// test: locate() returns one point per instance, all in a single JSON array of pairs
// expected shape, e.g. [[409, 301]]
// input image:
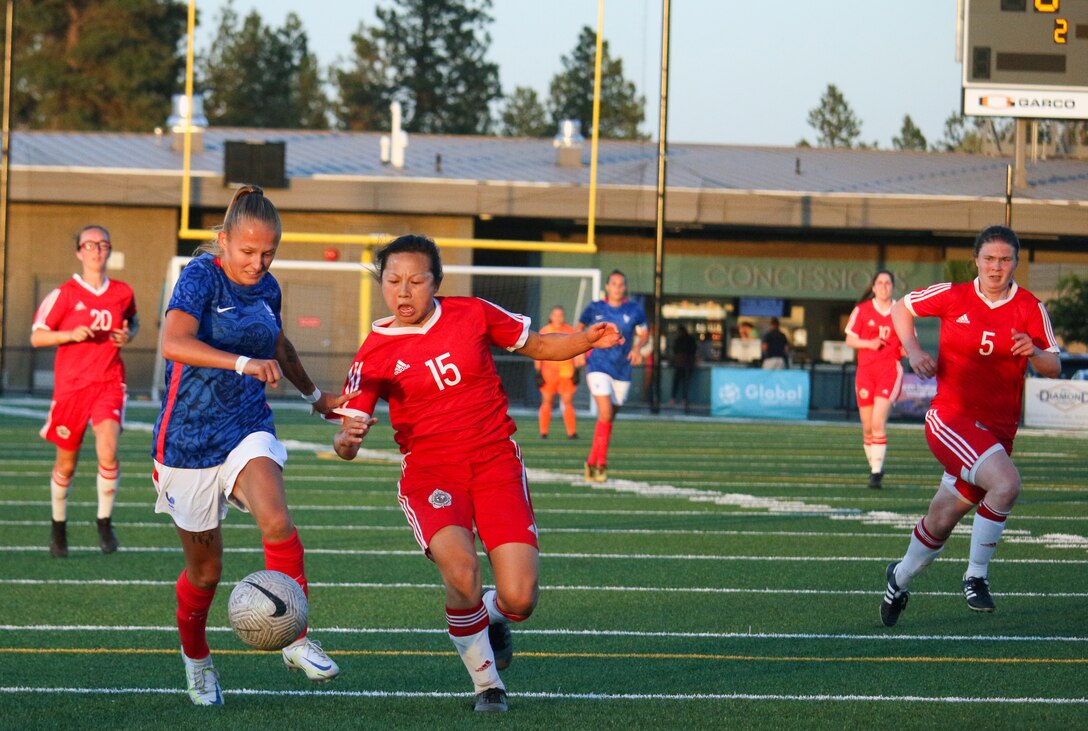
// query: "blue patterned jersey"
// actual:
[[206, 412], [628, 317]]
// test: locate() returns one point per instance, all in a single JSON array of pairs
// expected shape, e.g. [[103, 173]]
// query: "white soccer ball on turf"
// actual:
[[268, 610]]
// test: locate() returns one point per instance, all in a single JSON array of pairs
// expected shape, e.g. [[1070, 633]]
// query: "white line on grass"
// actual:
[[583, 587], [883, 636], [815, 698]]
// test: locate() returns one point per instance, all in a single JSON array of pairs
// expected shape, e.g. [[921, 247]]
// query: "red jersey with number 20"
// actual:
[[75, 303], [445, 397], [977, 376]]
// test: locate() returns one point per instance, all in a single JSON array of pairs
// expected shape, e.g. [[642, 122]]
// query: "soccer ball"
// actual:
[[267, 610]]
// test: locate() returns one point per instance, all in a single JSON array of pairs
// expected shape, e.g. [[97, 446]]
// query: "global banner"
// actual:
[[1056, 403], [759, 394]]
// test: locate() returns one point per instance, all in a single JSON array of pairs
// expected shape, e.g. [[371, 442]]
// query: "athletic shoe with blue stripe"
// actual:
[[203, 681], [306, 655]]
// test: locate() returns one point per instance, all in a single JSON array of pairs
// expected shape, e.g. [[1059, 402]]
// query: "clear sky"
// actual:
[[741, 71]]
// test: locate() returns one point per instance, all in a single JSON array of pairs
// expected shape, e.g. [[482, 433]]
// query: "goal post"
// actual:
[[328, 307]]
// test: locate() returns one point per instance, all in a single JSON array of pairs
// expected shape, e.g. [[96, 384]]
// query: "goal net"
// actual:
[[328, 308]]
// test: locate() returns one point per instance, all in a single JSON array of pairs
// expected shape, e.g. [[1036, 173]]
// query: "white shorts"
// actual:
[[602, 384], [197, 498]]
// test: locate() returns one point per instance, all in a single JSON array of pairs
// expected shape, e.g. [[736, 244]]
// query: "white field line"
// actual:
[[587, 588], [567, 555], [816, 698], [882, 637]]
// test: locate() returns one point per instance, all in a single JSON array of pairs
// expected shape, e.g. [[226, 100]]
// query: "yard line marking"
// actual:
[[579, 655], [816, 698], [632, 589], [558, 555]]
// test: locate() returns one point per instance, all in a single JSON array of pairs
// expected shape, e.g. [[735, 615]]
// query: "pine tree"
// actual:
[[364, 90], [96, 64], [524, 115], [834, 121], [622, 108], [910, 137], [257, 76], [1068, 307], [435, 52]]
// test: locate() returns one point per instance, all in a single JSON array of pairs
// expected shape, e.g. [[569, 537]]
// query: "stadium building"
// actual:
[[751, 231]]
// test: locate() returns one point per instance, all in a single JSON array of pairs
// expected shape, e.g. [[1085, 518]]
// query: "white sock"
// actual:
[[58, 490], [491, 598], [107, 488], [985, 534], [876, 453], [921, 552], [479, 659], [868, 451]]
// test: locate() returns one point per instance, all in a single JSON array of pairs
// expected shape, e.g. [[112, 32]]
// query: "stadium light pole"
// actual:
[[5, 180], [659, 238]]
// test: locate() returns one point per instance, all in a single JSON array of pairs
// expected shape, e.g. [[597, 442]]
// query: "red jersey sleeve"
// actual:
[[505, 329]]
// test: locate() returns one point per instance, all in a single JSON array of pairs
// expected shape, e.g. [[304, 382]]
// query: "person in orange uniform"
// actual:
[[557, 376]]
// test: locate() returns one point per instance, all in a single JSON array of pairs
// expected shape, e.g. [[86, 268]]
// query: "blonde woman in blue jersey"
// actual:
[[608, 370], [214, 442]]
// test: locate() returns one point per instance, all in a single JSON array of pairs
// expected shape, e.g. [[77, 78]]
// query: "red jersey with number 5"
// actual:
[[104, 310], [977, 375], [444, 393]]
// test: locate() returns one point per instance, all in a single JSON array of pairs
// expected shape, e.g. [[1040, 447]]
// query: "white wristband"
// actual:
[[313, 397], [240, 365]]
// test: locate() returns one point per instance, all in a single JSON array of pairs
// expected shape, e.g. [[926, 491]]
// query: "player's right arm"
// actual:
[[921, 362], [41, 338], [350, 436], [181, 345]]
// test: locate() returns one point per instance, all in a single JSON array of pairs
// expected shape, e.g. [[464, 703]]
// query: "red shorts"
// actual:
[[71, 410], [882, 379], [564, 386], [961, 444], [489, 490]]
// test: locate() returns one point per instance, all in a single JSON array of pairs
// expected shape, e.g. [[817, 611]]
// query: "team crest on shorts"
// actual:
[[63, 432], [864, 393], [440, 499]]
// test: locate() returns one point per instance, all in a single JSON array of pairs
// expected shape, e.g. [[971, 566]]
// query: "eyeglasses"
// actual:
[[93, 245]]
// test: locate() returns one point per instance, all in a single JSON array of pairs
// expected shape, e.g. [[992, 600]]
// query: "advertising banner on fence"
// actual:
[[760, 394], [914, 396], [1050, 402]]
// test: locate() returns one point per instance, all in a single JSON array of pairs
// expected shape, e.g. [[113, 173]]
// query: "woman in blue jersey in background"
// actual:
[[214, 441], [608, 370]]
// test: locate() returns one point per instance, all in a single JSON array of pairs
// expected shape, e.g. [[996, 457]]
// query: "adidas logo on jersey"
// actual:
[[79, 306], [962, 320], [401, 367]]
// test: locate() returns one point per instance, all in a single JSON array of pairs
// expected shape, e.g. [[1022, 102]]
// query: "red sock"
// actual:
[[286, 557], [598, 452], [192, 614]]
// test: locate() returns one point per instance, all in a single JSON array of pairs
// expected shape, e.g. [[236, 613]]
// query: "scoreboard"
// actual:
[[1026, 58]]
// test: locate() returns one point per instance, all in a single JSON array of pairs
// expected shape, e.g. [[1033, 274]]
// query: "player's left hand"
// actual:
[[329, 401], [1022, 345], [603, 335], [121, 336]]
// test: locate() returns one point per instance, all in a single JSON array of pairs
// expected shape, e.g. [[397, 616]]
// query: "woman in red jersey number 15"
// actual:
[[990, 329], [431, 361]]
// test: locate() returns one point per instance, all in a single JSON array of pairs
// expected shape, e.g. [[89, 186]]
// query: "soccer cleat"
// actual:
[[591, 472], [976, 589], [502, 644], [895, 599], [58, 541], [543, 435], [572, 436], [306, 655], [602, 473], [203, 681], [875, 479], [106, 538], [491, 700]]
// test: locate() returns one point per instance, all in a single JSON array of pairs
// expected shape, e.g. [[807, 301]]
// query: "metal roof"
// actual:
[[435, 158]]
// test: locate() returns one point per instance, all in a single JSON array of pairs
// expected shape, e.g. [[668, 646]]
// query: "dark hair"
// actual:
[[91, 227], [1003, 234], [614, 272], [248, 204], [868, 294], [410, 244]]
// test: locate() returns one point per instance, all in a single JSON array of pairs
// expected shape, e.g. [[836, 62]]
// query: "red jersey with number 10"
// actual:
[[977, 375], [76, 303], [445, 397], [869, 323]]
